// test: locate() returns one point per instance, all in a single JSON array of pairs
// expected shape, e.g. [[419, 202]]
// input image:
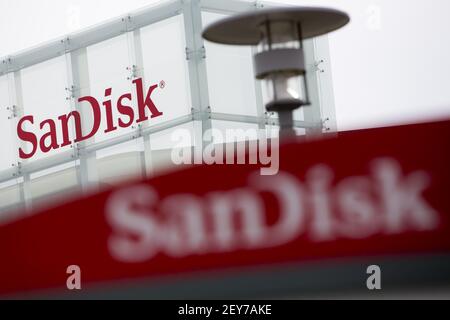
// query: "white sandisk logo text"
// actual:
[[386, 202]]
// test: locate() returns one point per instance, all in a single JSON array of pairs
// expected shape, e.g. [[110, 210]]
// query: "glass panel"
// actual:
[[44, 97], [10, 198], [120, 162], [35, 22], [163, 47], [7, 146], [108, 62], [177, 139], [57, 197], [170, 138], [249, 130], [230, 75], [51, 186]]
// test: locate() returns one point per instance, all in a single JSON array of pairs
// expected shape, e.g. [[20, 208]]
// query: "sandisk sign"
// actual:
[[385, 202], [49, 127], [367, 193]]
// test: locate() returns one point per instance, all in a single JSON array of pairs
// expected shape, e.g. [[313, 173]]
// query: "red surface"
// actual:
[[36, 251]]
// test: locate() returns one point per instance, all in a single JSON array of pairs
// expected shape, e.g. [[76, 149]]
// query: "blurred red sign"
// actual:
[[367, 193]]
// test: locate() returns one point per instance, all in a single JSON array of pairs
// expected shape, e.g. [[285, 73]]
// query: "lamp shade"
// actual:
[[245, 29]]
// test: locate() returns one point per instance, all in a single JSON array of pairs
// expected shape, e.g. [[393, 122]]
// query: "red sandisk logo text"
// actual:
[[49, 139]]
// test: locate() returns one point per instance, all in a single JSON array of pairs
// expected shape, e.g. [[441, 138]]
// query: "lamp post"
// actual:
[[279, 61]]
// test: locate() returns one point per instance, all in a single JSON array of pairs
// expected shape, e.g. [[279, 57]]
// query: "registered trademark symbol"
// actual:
[[162, 84]]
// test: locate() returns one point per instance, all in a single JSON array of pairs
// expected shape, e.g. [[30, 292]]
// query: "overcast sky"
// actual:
[[390, 65]]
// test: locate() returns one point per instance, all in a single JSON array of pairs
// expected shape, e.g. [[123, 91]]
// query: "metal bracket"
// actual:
[[128, 22], [71, 92], [317, 66], [18, 167], [195, 54], [7, 63], [325, 126], [268, 118], [13, 111], [138, 131], [77, 151], [258, 5], [198, 115], [66, 43], [133, 70]]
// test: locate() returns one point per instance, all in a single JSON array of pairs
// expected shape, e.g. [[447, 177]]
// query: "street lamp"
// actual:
[[279, 61]]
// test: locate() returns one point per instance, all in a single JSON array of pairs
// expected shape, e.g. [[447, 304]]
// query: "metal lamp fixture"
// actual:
[[279, 62]]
